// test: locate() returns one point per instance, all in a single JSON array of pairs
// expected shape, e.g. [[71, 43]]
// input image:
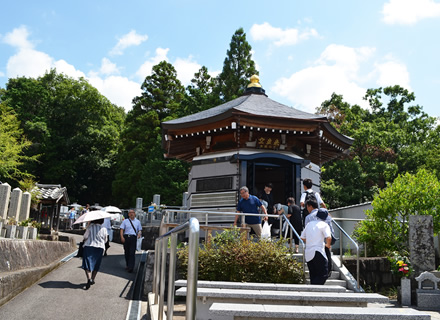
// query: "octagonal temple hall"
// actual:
[[250, 141]]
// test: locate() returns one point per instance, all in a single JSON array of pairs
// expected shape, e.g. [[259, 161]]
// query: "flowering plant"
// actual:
[[400, 265]]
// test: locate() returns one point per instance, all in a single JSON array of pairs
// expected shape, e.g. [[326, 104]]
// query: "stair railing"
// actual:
[[161, 246], [341, 252]]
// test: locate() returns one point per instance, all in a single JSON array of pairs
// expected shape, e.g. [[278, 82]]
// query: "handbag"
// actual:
[[80, 250]]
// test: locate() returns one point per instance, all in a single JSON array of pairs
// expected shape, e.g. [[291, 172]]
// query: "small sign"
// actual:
[[150, 209]]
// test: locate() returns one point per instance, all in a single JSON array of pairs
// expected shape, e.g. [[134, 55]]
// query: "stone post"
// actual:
[[15, 204], [22, 232], [5, 192], [32, 233], [421, 243], [25, 207], [10, 231]]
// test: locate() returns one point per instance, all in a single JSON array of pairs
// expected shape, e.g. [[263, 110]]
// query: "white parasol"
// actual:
[[92, 215], [111, 209]]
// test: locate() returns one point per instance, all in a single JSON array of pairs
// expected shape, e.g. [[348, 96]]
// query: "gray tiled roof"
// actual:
[[255, 104], [52, 192]]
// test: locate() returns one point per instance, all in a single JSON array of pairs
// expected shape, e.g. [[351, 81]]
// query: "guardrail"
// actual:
[[161, 246], [341, 252], [178, 216], [173, 216]]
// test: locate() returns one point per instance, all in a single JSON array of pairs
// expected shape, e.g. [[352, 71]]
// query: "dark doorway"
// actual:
[[279, 173]]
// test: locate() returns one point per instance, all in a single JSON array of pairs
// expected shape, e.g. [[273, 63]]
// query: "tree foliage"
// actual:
[[390, 139], [386, 227], [73, 127], [142, 170], [238, 67], [12, 147]]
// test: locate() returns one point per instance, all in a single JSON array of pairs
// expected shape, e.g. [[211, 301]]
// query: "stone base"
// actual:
[[428, 299]]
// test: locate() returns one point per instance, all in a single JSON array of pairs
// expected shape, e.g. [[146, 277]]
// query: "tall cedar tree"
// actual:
[[142, 170], [238, 67], [391, 139], [200, 93], [73, 128]]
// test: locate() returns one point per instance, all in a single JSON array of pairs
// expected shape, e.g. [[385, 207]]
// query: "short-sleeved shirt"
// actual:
[[315, 233], [317, 196], [96, 236], [250, 205], [128, 229], [72, 214]]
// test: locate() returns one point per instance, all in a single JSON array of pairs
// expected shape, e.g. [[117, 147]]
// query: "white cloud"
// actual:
[[185, 69], [392, 73], [28, 63], [108, 67], [280, 37], [146, 68], [336, 70], [18, 38], [119, 90], [130, 39], [409, 11], [2, 74]]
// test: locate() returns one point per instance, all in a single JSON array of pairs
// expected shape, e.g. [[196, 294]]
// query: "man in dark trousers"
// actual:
[[131, 230], [314, 235]]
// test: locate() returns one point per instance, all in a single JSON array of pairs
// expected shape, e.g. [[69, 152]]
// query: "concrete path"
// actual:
[[60, 294]]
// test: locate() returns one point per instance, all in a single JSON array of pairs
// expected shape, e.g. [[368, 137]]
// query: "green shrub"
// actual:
[[231, 257]]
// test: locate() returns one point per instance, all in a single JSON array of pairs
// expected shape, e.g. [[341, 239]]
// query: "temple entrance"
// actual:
[[280, 173]]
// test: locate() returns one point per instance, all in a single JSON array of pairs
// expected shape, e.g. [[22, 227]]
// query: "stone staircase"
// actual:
[[338, 299]]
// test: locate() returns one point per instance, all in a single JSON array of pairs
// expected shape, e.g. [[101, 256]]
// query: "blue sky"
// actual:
[[304, 50]]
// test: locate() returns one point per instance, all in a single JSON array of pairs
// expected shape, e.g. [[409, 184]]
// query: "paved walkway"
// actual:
[[60, 294]]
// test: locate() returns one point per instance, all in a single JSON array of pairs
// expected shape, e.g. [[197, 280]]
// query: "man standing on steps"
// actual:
[[309, 194], [250, 204], [314, 235], [131, 230]]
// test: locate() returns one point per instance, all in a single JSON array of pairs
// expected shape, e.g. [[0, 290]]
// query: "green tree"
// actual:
[[389, 140], [74, 128], [200, 93], [142, 170], [386, 227], [12, 147], [238, 67]]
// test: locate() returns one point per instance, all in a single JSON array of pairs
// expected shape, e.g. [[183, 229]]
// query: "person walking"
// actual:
[[250, 204], [130, 231], [108, 225], [72, 217], [314, 235], [295, 217], [93, 248]]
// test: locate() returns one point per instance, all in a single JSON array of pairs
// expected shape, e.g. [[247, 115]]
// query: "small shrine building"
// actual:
[[250, 141]]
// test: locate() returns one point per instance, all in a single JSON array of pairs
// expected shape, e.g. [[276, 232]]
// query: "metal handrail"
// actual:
[[283, 217], [160, 264], [342, 232]]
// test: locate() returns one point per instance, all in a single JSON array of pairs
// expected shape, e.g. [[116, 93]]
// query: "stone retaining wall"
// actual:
[[374, 273], [23, 262]]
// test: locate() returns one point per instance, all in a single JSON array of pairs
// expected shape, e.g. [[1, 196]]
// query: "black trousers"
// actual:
[[318, 269], [130, 251]]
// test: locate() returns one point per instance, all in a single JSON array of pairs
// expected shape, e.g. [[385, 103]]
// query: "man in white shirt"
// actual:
[[314, 235], [130, 230]]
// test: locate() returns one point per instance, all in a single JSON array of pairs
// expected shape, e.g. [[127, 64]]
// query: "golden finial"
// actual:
[[255, 82]]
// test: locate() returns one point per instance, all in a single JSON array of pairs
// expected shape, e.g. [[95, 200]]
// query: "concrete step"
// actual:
[[265, 286], [207, 296], [230, 311]]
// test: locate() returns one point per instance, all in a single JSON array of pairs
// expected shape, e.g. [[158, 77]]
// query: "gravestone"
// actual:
[[5, 192], [25, 206], [421, 243], [15, 204]]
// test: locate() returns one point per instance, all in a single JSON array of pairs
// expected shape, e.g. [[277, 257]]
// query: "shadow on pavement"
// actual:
[[61, 285]]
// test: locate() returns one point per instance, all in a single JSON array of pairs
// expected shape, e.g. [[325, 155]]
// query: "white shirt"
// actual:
[[317, 195], [96, 236], [315, 233]]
